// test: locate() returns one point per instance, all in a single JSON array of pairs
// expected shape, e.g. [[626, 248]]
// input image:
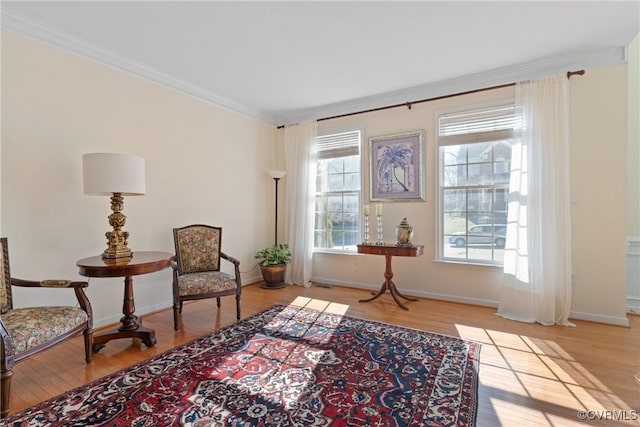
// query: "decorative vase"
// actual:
[[273, 276], [404, 233]]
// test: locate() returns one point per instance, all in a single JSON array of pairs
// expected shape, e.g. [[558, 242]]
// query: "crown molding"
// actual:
[[572, 62], [606, 56], [38, 31]]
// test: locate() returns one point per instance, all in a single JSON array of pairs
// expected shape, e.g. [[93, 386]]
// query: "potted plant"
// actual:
[[273, 262]]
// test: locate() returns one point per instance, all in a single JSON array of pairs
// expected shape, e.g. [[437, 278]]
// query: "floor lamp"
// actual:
[[276, 175]]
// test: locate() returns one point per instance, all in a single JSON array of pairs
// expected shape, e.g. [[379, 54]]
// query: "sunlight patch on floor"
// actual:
[[530, 363], [505, 376], [474, 334], [508, 340], [561, 373], [321, 305], [540, 371], [511, 414], [261, 356]]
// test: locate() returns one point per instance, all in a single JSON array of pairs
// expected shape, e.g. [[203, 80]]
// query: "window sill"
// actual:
[[481, 265], [335, 252]]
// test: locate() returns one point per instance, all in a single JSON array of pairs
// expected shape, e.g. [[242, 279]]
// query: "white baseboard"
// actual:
[[610, 320], [633, 304], [633, 274], [463, 300], [253, 279], [431, 295]]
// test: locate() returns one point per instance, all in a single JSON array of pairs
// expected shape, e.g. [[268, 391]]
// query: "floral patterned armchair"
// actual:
[[30, 330], [196, 268]]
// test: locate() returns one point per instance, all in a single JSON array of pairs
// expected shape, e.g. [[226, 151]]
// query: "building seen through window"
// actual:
[[338, 187]]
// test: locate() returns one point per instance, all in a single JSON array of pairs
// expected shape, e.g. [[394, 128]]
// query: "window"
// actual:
[[474, 171], [337, 203]]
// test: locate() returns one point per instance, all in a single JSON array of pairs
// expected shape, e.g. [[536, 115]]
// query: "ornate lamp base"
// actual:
[[117, 239], [116, 251]]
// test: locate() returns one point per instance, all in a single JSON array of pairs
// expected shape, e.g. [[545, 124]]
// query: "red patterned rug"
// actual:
[[285, 366]]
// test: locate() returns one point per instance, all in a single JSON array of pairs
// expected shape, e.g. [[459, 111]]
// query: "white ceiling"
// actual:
[[287, 61]]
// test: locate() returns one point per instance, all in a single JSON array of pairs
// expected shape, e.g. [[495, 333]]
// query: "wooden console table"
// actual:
[[140, 263], [389, 251]]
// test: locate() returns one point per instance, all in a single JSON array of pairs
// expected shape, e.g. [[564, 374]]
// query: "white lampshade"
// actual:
[[277, 174], [107, 173]]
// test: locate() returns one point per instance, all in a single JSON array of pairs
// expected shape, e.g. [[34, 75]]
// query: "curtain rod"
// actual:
[[408, 104]]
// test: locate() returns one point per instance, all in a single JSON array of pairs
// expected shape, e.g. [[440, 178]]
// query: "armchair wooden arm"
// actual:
[[229, 258], [55, 283], [236, 264], [77, 286]]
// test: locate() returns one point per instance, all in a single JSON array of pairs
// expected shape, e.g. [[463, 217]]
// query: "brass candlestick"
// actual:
[[379, 240], [366, 230]]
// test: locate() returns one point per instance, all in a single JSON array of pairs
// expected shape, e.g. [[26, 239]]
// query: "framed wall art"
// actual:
[[396, 167]]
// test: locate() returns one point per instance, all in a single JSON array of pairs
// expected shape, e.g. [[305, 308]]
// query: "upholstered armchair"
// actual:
[[30, 330], [196, 268]]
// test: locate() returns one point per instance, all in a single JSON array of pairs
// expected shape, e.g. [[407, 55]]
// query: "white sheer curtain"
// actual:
[[538, 247], [300, 164]]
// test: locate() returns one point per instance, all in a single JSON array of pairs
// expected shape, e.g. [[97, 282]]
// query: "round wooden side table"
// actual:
[[139, 263]]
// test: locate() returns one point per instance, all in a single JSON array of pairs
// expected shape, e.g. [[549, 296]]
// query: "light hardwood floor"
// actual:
[[530, 375]]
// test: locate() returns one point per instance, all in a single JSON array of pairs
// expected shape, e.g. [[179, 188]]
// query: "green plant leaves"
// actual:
[[274, 254]]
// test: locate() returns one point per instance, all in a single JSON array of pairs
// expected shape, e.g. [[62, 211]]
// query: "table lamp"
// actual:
[[115, 175]]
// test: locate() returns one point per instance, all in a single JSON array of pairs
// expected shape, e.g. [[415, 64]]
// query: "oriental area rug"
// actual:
[[285, 366]]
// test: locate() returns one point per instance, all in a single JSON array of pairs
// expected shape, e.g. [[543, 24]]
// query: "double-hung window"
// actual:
[[474, 171], [338, 184]]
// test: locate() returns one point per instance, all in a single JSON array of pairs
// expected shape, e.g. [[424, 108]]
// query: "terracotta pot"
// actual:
[[273, 275]]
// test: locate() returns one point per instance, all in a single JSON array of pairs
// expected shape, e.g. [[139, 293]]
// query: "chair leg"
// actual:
[[88, 344], [218, 300], [176, 309], [238, 307], [6, 389]]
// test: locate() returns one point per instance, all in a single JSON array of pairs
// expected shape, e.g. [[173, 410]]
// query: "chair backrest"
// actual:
[[197, 248], [5, 279]]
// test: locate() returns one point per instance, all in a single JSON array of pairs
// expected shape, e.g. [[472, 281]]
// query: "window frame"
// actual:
[[359, 190], [467, 139]]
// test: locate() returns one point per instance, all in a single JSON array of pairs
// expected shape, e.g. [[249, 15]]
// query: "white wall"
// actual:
[[633, 172], [204, 165], [598, 186], [598, 177], [633, 179]]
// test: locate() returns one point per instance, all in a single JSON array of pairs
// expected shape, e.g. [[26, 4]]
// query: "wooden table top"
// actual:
[[392, 250], [140, 263]]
